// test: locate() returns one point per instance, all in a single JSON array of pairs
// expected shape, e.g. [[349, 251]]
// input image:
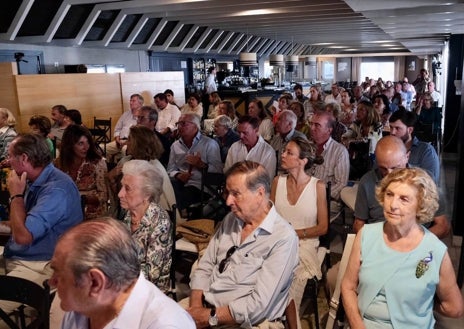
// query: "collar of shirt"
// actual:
[[195, 141]]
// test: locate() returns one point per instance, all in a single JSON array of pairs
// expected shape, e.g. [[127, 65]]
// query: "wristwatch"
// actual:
[[213, 319]]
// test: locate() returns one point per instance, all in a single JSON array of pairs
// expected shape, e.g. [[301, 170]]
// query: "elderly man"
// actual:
[[168, 115], [336, 166], [390, 153], [251, 146], [108, 292], [436, 96], [190, 154], [421, 154], [149, 117], [335, 96], [244, 277], [59, 123], [121, 130], [285, 131]]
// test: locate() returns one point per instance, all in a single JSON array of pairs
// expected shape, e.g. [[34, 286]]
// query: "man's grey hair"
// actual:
[[104, 244], [152, 180], [256, 175], [223, 120], [195, 118], [289, 116]]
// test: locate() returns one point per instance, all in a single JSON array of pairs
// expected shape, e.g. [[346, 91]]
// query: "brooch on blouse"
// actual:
[[423, 265]]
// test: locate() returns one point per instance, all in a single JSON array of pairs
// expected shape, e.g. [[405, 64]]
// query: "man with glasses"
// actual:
[[190, 155], [244, 276]]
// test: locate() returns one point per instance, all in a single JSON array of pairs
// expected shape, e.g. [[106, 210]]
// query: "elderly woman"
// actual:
[[224, 135], [266, 127], [193, 105], [7, 131], [149, 224], [80, 159], [142, 144], [301, 199], [396, 267]]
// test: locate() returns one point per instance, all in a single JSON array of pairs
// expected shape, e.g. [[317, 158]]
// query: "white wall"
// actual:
[[133, 60]]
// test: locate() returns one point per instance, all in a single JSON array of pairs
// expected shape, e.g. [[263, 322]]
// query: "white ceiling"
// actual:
[[301, 27]]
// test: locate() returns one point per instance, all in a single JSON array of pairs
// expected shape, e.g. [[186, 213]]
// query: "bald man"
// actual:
[[390, 154]]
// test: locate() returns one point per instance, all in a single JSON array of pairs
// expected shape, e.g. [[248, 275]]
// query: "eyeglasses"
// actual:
[[182, 123], [223, 264]]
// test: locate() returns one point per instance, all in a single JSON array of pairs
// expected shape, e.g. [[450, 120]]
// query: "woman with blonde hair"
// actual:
[[397, 268], [214, 101], [7, 131]]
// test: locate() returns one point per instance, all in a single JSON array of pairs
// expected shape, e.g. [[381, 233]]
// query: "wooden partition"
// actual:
[[102, 95]]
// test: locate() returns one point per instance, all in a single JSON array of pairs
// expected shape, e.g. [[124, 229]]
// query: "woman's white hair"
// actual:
[[152, 180]]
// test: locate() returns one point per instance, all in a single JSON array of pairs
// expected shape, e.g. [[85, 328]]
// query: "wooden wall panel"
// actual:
[[148, 84], [92, 94], [8, 97]]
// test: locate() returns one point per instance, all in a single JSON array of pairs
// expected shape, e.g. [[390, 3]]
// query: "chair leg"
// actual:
[[316, 307]]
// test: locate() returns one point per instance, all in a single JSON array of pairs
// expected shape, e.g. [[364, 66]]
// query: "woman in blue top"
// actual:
[[396, 267]]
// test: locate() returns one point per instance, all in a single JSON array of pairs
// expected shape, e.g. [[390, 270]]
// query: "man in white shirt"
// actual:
[[210, 83], [121, 130], [251, 146], [436, 96], [168, 115], [110, 291], [335, 96]]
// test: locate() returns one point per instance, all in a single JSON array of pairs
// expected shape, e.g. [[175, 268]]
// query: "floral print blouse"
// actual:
[[154, 238]]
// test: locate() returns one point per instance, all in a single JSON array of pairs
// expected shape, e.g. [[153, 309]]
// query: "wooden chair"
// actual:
[[101, 133], [27, 293]]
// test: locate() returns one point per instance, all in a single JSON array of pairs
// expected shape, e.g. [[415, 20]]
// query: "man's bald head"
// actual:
[[390, 153]]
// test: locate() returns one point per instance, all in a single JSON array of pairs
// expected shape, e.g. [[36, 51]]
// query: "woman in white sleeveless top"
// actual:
[[301, 199]]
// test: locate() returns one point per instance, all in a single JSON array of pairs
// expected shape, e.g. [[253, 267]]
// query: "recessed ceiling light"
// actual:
[[257, 12]]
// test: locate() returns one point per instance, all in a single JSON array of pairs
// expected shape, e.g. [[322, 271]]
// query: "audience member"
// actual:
[[80, 159], [168, 115], [315, 95], [142, 144], [436, 96], [266, 127], [301, 123], [335, 96], [358, 94], [97, 275], [244, 277], [285, 131], [149, 117], [193, 105], [190, 154], [421, 154], [421, 82], [299, 95], [214, 101], [44, 203], [224, 134], [407, 95], [282, 104], [398, 272], [301, 199], [73, 117], [429, 114], [7, 131], [382, 107], [348, 109], [148, 222], [336, 166], [170, 97], [59, 123], [390, 154], [41, 125], [226, 107], [368, 126], [339, 128], [251, 146], [117, 148]]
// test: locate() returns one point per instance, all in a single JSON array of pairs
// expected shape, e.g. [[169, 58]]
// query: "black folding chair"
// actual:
[[101, 133]]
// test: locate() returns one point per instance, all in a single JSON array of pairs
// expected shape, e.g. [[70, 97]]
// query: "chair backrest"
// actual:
[[360, 161], [26, 292], [102, 130]]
